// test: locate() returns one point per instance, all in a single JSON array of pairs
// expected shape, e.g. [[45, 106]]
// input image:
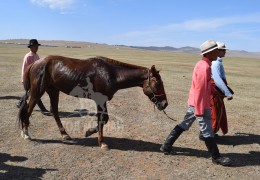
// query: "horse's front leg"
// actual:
[[91, 131], [54, 99], [102, 120]]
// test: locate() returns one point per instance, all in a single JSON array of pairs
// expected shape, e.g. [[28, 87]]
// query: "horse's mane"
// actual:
[[118, 63]]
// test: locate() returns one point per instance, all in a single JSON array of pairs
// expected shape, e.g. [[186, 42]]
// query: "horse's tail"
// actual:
[[23, 111], [22, 117], [26, 78]]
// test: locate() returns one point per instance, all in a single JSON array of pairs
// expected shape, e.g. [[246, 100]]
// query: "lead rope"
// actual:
[[169, 116], [189, 117]]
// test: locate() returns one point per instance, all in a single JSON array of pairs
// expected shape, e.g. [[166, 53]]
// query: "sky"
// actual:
[[135, 22]]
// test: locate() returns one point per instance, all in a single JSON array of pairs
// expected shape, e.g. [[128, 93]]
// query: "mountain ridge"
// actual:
[[82, 44], [193, 50]]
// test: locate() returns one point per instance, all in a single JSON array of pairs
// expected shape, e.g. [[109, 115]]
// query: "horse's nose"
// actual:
[[165, 105], [162, 105]]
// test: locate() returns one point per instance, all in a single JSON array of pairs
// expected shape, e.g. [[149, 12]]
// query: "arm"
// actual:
[[200, 90], [217, 72], [25, 64], [27, 60]]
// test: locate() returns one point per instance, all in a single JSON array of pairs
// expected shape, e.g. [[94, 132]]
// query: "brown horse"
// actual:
[[97, 78]]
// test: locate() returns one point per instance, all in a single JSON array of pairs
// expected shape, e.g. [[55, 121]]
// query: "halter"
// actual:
[[156, 95], [153, 93]]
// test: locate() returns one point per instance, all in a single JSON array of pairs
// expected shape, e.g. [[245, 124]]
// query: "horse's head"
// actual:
[[154, 89]]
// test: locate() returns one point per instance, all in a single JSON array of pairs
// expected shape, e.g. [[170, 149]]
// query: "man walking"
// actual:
[[199, 105], [28, 59], [218, 110]]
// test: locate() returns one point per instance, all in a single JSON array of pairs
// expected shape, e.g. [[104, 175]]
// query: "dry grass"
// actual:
[[134, 153]]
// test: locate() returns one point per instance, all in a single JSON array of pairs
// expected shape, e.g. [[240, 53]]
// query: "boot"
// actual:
[[216, 136], [173, 136], [213, 150], [201, 137], [44, 111]]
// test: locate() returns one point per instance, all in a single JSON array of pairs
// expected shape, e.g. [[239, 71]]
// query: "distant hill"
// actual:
[[193, 50], [82, 44]]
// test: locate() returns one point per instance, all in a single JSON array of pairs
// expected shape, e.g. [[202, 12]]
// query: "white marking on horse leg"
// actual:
[[104, 146], [25, 134]]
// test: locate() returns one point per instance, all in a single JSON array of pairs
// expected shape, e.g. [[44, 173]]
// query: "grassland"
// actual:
[[138, 156]]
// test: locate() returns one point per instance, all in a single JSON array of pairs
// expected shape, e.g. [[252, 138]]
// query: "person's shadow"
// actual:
[[239, 139], [10, 97], [252, 158], [18, 172]]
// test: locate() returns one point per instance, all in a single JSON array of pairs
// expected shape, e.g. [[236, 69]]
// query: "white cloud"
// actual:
[[197, 25], [212, 24], [231, 29], [54, 4]]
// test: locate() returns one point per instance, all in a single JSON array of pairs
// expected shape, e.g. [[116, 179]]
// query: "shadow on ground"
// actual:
[[252, 158], [19, 172], [75, 113], [10, 97], [239, 139]]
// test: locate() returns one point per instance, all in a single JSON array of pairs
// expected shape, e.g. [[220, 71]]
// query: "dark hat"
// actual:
[[33, 42]]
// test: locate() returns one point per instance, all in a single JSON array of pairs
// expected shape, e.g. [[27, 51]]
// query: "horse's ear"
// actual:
[[153, 70]]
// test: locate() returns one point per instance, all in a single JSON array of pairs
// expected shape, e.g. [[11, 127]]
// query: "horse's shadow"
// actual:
[[123, 144], [75, 113], [18, 172], [239, 159]]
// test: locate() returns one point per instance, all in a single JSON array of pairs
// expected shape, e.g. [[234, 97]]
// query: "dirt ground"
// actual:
[[134, 134]]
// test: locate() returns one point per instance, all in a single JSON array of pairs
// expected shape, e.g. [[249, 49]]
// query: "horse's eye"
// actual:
[[156, 84]]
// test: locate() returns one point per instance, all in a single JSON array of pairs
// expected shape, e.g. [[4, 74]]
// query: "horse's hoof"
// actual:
[[66, 137], [104, 147], [25, 136], [88, 133]]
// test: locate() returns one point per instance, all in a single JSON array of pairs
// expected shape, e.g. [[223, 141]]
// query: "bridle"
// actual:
[[148, 86], [155, 95]]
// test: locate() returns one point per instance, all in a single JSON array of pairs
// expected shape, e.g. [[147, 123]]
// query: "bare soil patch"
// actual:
[[134, 134]]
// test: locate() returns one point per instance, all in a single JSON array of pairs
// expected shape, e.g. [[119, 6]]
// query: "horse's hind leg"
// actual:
[[54, 99], [102, 120], [26, 122], [35, 95]]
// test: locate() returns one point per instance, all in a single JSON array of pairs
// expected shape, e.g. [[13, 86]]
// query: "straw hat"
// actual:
[[208, 46], [221, 45]]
